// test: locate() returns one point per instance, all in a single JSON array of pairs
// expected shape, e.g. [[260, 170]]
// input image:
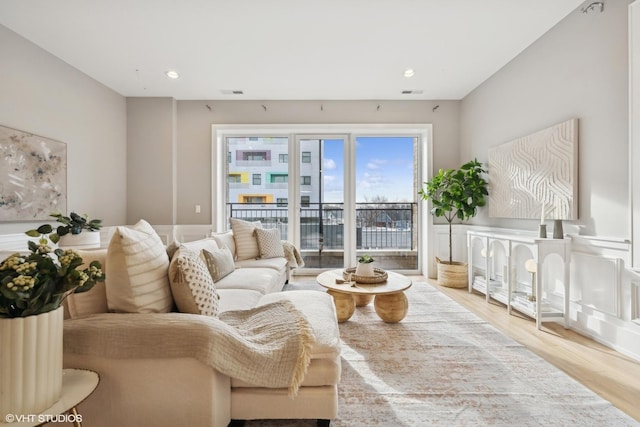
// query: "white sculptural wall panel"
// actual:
[[536, 175]]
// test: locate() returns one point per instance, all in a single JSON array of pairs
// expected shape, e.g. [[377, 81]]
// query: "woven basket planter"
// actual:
[[452, 275]]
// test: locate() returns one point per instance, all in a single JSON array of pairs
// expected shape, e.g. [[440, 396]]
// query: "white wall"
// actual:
[[578, 69], [43, 95]]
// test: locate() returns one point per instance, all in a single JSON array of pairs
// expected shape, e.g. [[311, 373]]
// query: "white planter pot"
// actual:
[[30, 363], [84, 240], [365, 269]]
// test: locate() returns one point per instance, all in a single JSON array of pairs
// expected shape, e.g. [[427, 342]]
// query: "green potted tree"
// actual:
[[68, 234], [455, 193]]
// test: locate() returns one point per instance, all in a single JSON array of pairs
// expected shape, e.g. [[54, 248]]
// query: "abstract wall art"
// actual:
[[33, 176], [536, 176]]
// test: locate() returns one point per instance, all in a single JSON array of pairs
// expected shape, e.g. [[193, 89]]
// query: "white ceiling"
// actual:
[[286, 49]]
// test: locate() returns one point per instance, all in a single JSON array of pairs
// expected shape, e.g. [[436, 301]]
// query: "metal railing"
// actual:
[[378, 225]]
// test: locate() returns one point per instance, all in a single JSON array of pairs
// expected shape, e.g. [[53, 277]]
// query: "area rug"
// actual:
[[444, 366]]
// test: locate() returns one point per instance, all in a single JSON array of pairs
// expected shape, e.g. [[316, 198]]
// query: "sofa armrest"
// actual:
[[144, 381], [141, 335]]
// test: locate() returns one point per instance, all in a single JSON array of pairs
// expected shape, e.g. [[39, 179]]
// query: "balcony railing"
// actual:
[[378, 225]]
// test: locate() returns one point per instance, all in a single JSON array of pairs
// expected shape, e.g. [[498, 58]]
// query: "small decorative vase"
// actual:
[[365, 269], [542, 233], [84, 240], [30, 363], [558, 233]]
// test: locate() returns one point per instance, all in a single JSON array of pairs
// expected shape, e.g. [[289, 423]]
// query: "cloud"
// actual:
[[370, 180], [375, 163], [329, 164]]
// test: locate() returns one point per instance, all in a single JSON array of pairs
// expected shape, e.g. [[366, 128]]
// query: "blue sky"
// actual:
[[384, 167]]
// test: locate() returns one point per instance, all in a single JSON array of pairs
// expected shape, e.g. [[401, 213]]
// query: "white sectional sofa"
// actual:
[[148, 377]]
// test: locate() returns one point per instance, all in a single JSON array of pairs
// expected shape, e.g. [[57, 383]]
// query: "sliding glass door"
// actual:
[[336, 196], [321, 202], [386, 207]]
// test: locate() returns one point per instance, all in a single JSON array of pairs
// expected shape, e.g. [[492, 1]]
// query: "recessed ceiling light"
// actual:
[[409, 72], [172, 74]]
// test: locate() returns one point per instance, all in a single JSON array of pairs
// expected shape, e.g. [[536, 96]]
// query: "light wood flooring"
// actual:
[[610, 374]]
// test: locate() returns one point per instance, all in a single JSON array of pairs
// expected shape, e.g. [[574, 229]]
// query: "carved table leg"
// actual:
[[392, 308], [345, 305], [362, 300]]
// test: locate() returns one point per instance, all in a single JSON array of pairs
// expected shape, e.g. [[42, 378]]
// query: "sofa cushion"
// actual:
[[136, 271], [196, 246], [278, 264], [263, 280], [320, 372], [238, 299], [219, 262], [226, 239], [244, 236], [269, 243], [191, 284], [318, 308], [320, 312]]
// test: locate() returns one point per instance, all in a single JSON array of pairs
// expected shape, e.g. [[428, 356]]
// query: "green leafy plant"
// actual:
[[73, 224], [456, 193], [38, 282], [365, 259]]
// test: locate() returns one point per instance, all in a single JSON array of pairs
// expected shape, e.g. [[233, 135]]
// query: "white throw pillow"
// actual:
[[244, 236], [219, 262], [269, 243], [137, 265], [191, 284], [225, 239]]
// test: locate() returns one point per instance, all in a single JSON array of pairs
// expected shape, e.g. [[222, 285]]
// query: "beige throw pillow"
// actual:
[[94, 301], [136, 270], [225, 239], [269, 243], [244, 236], [219, 262], [191, 284]]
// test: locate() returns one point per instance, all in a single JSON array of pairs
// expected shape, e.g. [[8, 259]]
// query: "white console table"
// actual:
[[514, 269]]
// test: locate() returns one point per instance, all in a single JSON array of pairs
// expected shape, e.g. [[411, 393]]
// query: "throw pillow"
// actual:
[[94, 301], [191, 284], [269, 243], [136, 270], [225, 239], [244, 236], [220, 263]]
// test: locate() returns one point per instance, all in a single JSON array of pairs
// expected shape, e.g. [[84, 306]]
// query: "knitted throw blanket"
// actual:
[[267, 346], [292, 254]]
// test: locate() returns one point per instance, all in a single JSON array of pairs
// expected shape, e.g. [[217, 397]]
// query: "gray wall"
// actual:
[[151, 175], [43, 95], [194, 134], [578, 69]]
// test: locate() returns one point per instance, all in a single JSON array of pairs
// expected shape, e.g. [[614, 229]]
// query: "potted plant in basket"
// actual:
[[455, 193], [68, 234], [33, 286]]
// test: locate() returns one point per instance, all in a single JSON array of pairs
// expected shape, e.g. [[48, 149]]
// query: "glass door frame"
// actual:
[[349, 205], [426, 235]]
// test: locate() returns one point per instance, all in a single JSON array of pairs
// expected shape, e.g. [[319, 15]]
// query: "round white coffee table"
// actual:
[[391, 303]]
